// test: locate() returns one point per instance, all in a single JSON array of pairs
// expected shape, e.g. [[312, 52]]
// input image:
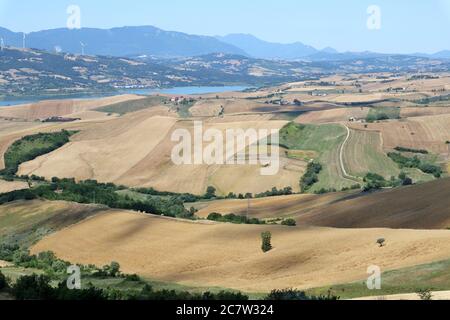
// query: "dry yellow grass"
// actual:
[[105, 159], [430, 133], [46, 109], [8, 186], [229, 255], [333, 115], [212, 107], [248, 178], [135, 150], [423, 111], [4, 264]]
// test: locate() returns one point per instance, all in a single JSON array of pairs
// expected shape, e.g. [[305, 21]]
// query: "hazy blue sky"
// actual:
[[406, 25]]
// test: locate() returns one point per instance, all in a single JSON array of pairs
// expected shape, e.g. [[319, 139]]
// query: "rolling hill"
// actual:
[[422, 206], [227, 255]]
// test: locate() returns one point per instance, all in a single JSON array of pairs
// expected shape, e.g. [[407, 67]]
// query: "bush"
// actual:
[[4, 282], [403, 149], [232, 218], [210, 193], [415, 162], [291, 294], [33, 287], [374, 182], [381, 242], [266, 238], [275, 192], [311, 176], [425, 294], [132, 278], [289, 223], [114, 269]]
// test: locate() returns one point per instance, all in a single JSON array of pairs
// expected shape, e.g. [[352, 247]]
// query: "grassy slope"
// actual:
[[25, 223], [434, 276], [325, 140], [363, 154]]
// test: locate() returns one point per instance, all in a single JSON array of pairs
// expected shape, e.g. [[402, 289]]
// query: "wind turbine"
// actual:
[[82, 48]]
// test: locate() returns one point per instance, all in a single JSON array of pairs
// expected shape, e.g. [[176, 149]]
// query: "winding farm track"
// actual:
[[341, 158]]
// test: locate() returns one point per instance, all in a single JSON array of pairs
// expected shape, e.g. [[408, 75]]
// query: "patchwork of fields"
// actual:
[[347, 124]]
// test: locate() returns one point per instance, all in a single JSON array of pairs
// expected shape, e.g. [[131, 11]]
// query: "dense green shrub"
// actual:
[[289, 223], [374, 182], [233, 218], [33, 287], [3, 282], [415, 162], [90, 191], [291, 294], [402, 149], [266, 238], [275, 192], [311, 176]]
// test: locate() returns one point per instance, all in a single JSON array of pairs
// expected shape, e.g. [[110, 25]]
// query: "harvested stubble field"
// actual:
[[135, 150], [429, 133], [230, 256]]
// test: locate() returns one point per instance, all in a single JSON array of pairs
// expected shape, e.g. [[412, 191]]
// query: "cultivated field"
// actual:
[[126, 140], [135, 150], [230, 256], [6, 186], [63, 108], [24, 223], [363, 153], [333, 115], [429, 133]]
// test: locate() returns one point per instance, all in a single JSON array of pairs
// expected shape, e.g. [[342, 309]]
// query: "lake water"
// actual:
[[174, 91]]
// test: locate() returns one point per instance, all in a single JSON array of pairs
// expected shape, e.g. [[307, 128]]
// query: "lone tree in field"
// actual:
[[266, 241], [210, 192], [381, 242]]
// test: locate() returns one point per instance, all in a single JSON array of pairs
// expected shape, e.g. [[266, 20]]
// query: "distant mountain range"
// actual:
[[32, 72], [150, 41], [267, 50], [126, 41]]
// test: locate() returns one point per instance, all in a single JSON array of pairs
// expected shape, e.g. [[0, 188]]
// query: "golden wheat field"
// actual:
[[196, 253]]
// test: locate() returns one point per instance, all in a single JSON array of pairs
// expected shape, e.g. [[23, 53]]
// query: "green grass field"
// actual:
[[325, 140], [434, 276], [363, 154]]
